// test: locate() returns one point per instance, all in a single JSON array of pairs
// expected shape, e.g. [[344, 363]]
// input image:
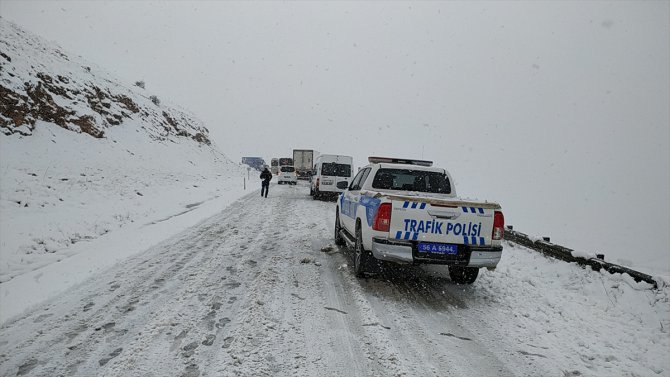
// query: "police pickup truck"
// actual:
[[406, 211]]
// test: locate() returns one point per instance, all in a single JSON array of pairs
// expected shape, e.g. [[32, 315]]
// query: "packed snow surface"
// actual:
[[260, 289], [66, 197]]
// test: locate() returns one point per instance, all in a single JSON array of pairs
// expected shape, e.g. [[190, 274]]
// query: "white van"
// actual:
[[329, 169], [287, 175]]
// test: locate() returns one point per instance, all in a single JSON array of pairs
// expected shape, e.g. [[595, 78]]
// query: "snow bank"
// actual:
[[71, 205], [573, 319]]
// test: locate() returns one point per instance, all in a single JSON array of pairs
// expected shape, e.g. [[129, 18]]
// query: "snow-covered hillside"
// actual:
[[83, 156], [41, 82]]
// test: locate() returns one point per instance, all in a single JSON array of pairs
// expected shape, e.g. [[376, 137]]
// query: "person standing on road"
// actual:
[[266, 176]]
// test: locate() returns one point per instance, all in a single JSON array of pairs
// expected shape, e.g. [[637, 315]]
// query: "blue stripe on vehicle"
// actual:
[[414, 205], [423, 205], [481, 210], [406, 235], [465, 240], [474, 240], [465, 209], [473, 210], [414, 237], [398, 235], [406, 204], [481, 241], [371, 206]]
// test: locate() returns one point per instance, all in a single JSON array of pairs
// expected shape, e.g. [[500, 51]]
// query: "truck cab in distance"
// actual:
[[330, 170], [274, 166], [407, 211]]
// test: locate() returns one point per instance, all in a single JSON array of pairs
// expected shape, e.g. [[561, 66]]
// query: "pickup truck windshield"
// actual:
[[412, 180], [334, 169]]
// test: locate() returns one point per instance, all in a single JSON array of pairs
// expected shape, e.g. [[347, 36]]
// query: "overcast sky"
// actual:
[[558, 110]]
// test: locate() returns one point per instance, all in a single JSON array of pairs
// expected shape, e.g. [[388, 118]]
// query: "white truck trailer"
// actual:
[[303, 162]]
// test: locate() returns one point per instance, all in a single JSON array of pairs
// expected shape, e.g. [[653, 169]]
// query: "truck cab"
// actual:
[[406, 211], [274, 166]]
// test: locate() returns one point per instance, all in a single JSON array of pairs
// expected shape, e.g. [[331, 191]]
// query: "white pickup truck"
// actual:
[[406, 211]]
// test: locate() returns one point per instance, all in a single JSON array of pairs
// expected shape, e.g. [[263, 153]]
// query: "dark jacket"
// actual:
[[266, 176]]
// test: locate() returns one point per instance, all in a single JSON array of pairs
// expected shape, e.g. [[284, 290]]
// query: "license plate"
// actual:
[[437, 248]]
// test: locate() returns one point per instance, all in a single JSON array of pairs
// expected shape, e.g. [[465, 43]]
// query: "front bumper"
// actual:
[[406, 252]]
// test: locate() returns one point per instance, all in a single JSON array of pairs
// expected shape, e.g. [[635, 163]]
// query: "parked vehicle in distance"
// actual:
[[303, 162], [274, 166], [329, 170], [287, 175], [407, 211], [285, 161], [257, 163]]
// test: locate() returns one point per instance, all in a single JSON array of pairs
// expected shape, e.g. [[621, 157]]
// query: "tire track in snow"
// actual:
[[138, 290], [249, 292]]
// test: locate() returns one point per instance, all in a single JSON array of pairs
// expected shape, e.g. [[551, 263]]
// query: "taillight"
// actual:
[[382, 220], [498, 226], [317, 182]]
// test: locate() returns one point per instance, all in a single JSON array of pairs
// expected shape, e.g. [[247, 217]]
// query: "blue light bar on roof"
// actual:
[[392, 160]]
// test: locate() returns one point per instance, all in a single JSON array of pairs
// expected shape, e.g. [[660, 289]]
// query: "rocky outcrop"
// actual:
[[39, 82]]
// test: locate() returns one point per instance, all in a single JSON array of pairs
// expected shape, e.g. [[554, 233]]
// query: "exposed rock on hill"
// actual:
[[38, 81]]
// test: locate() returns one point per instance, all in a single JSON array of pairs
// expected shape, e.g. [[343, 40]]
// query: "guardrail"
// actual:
[[565, 254]]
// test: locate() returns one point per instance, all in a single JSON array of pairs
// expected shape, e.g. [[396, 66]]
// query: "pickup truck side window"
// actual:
[[412, 180], [366, 172], [356, 182]]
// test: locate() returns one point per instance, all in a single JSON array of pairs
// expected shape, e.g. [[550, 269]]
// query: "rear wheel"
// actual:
[[339, 241], [361, 256], [463, 275]]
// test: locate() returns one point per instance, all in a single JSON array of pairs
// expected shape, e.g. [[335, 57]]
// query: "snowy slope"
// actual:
[[40, 82], [83, 156]]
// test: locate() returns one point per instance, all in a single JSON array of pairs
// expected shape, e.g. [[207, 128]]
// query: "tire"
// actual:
[[463, 275], [360, 255], [339, 241]]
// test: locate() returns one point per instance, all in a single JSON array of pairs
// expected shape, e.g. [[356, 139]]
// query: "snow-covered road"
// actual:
[[259, 290]]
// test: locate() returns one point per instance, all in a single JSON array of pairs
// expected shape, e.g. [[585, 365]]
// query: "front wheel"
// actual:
[[339, 241], [463, 275], [361, 256]]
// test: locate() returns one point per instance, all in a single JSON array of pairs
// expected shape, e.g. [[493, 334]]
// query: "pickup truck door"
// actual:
[[349, 202]]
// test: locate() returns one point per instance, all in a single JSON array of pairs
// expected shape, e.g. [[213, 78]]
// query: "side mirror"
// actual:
[[342, 185]]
